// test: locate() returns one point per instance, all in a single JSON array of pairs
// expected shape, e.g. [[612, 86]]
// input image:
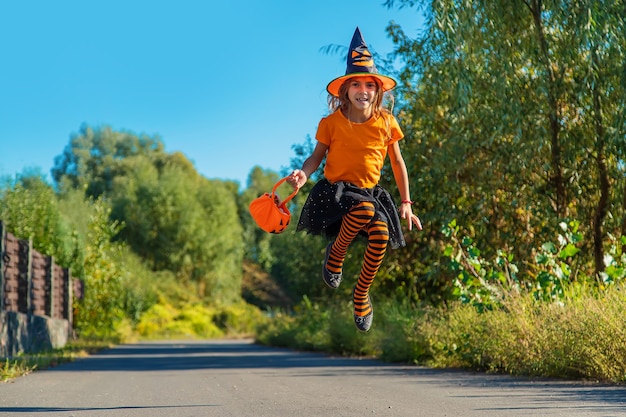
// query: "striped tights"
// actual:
[[358, 218]]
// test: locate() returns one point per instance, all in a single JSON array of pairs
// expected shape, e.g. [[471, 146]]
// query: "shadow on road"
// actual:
[[208, 355], [247, 355], [74, 409]]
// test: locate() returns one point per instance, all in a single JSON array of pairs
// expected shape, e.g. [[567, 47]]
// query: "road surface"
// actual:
[[236, 378]]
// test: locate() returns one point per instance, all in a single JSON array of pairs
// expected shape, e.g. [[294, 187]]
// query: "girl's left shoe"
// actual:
[[332, 280]]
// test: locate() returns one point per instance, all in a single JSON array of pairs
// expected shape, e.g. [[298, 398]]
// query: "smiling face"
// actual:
[[362, 93]]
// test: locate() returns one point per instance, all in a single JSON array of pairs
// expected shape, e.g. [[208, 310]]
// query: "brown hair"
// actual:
[[342, 102]]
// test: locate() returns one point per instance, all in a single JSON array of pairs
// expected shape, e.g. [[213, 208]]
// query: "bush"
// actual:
[[100, 314], [405, 338], [321, 327], [582, 338], [195, 320], [164, 321], [279, 331], [239, 319], [579, 337]]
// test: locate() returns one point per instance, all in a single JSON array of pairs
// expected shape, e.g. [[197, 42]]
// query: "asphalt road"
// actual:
[[231, 378]]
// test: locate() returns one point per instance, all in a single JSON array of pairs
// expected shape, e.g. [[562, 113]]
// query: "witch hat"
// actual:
[[360, 62]]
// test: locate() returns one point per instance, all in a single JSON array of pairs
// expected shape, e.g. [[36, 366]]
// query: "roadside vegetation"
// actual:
[[25, 363], [557, 328], [514, 126]]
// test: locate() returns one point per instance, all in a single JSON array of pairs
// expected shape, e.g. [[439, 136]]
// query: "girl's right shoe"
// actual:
[[331, 279], [363, 323]]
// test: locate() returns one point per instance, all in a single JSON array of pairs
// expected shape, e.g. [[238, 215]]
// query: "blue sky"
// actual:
[[229, 84]]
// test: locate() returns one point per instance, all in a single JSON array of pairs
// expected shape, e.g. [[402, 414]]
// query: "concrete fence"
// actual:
[[35, 298]]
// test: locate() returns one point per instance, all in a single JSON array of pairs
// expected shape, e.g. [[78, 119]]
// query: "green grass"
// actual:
[[581, 338], [24, 364]]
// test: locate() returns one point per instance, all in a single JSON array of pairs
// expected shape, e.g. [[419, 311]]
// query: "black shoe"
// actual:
[[363, 323], [332, 280]]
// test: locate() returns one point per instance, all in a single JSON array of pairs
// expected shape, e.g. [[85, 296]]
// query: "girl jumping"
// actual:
[[355, 139]]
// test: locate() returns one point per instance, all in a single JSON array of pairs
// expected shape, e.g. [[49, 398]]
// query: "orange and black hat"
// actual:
[[360, 63]]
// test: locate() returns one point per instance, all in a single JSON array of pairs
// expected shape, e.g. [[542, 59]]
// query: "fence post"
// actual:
[[2, 266], [51, 296], [69, 294], [29, 277]]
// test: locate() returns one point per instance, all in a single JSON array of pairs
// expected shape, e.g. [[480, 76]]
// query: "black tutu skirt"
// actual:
[[327, 203]]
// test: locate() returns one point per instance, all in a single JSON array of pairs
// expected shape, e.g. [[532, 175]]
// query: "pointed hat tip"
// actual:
[[360, 62]]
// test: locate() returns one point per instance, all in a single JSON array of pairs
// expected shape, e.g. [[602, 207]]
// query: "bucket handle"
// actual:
[[292, 195]]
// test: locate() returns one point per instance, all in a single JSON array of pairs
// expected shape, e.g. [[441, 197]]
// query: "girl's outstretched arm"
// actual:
[[299, 176], [402, 180]]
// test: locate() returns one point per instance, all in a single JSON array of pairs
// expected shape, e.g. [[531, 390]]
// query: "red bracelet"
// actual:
[[407, 201]]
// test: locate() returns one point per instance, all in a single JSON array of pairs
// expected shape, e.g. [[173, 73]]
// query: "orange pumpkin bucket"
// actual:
[[269, 213]]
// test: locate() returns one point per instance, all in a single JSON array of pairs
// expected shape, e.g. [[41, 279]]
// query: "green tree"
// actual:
[[600, 115], [220, 240], [503, 130], [99, 314], [92, 158], [30, 209], [175, 219]]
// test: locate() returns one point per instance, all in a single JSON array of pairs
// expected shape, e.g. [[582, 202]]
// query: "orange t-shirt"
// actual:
[[357, 151]]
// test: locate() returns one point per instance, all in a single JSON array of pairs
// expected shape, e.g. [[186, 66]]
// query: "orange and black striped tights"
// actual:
[[361, 217]]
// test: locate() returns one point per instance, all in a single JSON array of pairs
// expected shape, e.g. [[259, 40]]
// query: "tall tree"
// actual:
[[174, 219], [30, 209], [92, 157], [177, 220], [600, 81], [512, 114]]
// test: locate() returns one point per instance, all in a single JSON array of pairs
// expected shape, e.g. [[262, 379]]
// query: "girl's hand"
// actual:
[[407, 214], [297, 178]]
